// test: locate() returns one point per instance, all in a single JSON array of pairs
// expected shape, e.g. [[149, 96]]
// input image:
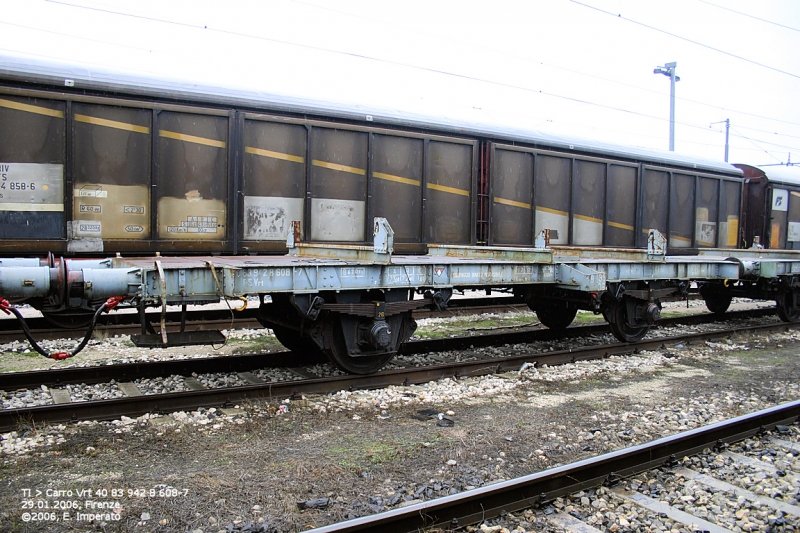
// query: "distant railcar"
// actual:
[[771, 208]]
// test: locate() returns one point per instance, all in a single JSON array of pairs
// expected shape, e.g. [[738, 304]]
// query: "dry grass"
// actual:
[[274, 461]]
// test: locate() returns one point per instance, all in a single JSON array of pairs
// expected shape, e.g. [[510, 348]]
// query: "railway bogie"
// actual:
[[783, 289], [717, 296], [359, 331]]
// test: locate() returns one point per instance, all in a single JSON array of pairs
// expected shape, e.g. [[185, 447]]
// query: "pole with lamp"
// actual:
[[669, 70], [727, 122]]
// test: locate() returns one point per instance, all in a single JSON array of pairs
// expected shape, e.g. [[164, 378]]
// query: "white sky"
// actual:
[[582, 68]]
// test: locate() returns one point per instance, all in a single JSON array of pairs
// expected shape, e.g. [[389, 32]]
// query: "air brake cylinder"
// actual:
[[107, 282], [19, 280]]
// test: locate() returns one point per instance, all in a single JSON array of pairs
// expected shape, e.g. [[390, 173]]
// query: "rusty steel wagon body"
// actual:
[[343, 220]]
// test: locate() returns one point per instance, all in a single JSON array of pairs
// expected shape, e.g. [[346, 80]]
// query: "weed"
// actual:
[[457, 325], [100, 335], [357, 453], [264, 343]]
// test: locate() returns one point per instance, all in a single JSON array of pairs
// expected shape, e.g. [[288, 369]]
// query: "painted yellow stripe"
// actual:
[[112, 124], [589, 219], [620, 225], [552, 211], [274, 155], [10, 104], [396, 179], [512, 203], [451, 190], [795, 193], [678, 238], [340, 168], [191, 139], [24, 206]]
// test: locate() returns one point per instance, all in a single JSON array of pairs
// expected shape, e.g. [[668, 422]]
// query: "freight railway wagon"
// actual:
[[355, 303], [772, 206], [213, 177], [91, 167]]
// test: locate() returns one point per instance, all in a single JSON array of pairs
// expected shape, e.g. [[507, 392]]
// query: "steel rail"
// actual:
[[159, 403], [203, 319], [242, 363], [484, 503]]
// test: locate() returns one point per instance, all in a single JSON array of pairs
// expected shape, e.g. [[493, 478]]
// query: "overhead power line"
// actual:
[[504, 52], [749, 16], [81, 37], [762, 141], [364, 56], [698, 43], [399, 63], [756, 145]]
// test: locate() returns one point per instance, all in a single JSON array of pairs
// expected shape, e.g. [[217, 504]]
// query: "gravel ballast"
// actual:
[[355, 453]]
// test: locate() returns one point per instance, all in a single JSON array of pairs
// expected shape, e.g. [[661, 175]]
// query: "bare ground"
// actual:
[[255, 468]]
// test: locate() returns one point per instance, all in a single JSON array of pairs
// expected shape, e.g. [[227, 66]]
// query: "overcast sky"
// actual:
[[569, 67]]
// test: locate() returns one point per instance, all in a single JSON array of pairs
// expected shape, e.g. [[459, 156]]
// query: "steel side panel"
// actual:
[[240, 276], [618, 271]]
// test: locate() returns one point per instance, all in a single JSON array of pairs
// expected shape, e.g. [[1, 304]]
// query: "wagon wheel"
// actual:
[[555, 315], [618, 313], [717, 300], [784, 308], [292, 339], [336, 350]]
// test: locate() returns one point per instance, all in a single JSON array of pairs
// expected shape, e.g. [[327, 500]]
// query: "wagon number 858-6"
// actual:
[[16, 185]]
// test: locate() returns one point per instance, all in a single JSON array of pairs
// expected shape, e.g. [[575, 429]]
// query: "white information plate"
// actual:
[[780, 200], [196, 219], [705, 233], [31, 187], [268, 218], [794, 232], [337, 220]]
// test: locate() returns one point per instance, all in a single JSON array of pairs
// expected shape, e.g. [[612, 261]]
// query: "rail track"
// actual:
[[134, 403], [248, 362], [127, 323], [660, 460]]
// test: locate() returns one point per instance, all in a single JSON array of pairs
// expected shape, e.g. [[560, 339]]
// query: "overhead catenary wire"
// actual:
[[504, 52], [762, 141], [410, 65], [750, 16], [675, 35], [756, 145], [435, 70]]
